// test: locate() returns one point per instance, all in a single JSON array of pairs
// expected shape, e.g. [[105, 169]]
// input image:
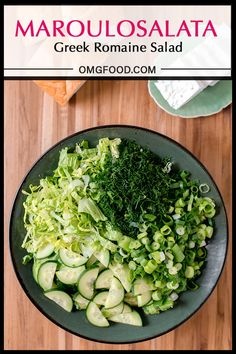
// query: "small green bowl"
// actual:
[[210, 101], [154, 325]]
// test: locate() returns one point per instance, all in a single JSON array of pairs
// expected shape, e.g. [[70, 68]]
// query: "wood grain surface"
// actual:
[[34, 122]]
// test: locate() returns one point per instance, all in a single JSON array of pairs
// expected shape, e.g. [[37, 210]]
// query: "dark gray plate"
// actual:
[[154, 325]]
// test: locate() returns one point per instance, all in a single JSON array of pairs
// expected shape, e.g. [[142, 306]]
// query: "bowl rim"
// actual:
[[41, 310]]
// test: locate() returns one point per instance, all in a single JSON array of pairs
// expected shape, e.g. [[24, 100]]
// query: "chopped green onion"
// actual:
[[135, 244], [158, 237], [178, 266], [155, 246], [141, 235], [156, 295], [189, 272], [167, 219], [171, 209], [180, 230], [204, 188], [190, 203], [178, 254], [122, 253], [143, 262], [209, 231], [172, 285], [150, 266], [169, 255], [132, 265], [150, 217], [173, 270], [173, 296], [191, 244], [159, 284], [192, 285], [180, 203], [145, 240], [165, 230], [158, 256], [194, 189], [166, 305]]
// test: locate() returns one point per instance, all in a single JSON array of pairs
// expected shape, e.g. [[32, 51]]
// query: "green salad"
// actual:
[[117, 231]]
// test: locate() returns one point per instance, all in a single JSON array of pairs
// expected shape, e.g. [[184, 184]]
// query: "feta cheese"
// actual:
[[178, 92]]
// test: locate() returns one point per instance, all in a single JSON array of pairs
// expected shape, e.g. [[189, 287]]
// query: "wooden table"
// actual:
[[33, 122]]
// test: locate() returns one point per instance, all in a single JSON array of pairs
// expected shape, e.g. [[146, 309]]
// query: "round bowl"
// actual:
[[154, 325]]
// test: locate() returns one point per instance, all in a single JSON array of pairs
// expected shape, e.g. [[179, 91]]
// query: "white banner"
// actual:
[[117, 41]]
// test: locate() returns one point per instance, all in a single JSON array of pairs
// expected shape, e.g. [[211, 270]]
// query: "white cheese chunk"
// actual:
[[179, 92]]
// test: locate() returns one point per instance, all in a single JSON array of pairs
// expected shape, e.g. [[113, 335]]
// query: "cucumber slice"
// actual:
[[44, 251], [91, 261], [68, 275], [131, 299], [127, 309], [35, 269], [142, 285], [144, 299], [71, 259], [132, 318], [103, 256], [86, 283], [38, 262], [86, 250], [123, 273], [80, 302], [113, 311], [46, 274], [116, 294], [104, 279], [60, 298], [95, 316], [101, 267], [100, 298]]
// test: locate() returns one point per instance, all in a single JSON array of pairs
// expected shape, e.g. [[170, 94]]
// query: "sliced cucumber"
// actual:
[[46, 274], [142, 285], [103, 256], [116, 293], [131, 299], [127, 308], [68, 275], [38, 262], [104, 279], [113, 311], [86, 250], [44, 251], [95, 316], [86, 282], [144, 299], [132, 318], [35, 269], [123, 273], [71, 259], [100, 298], [80, 302], [92, 259], [101, 267], [60, 298]]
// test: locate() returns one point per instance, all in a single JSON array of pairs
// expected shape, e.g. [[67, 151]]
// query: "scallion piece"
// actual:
[[204, 188], [165, 230], [150, 266], [178, 254], [189, 272]]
